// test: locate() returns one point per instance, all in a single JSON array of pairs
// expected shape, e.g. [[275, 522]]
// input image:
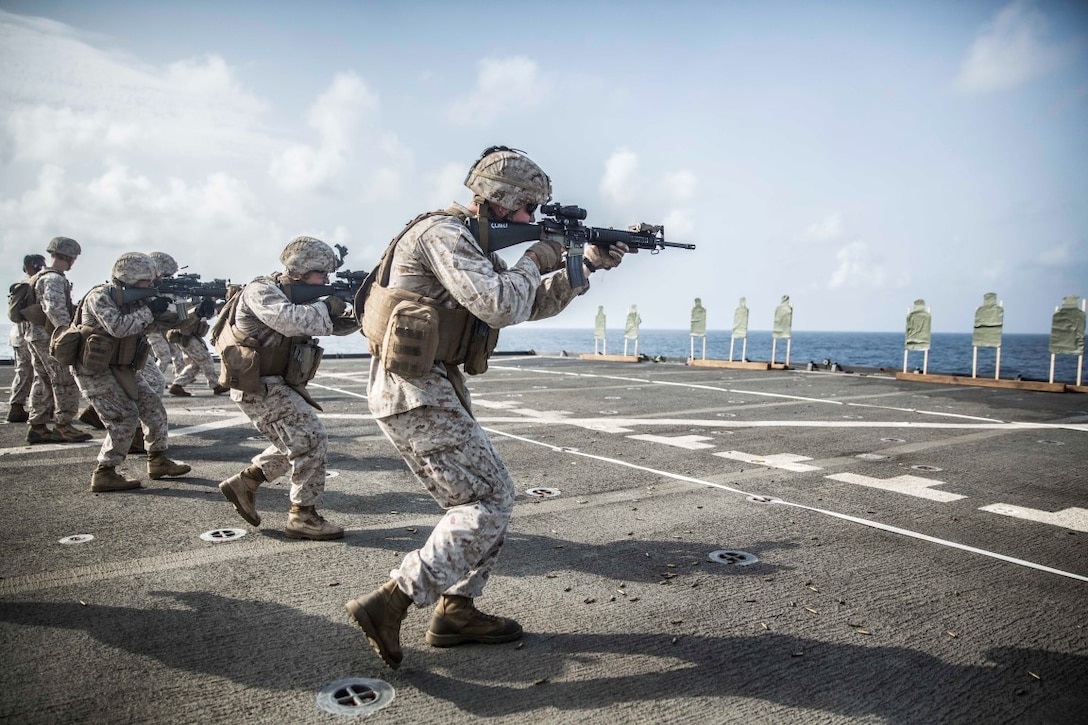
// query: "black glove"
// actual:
[[158, 305], [206, 308]]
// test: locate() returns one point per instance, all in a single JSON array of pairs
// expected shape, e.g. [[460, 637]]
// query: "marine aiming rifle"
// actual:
[[565, 227], [346, 285]]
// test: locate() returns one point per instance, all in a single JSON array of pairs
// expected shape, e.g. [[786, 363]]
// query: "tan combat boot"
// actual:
[[106, 478], [70, 434], [179, 391], [305, 523], [218, 389], [90, 417], [241, 490], [379, 615], [457, 620], [43, 434], [159, 466]]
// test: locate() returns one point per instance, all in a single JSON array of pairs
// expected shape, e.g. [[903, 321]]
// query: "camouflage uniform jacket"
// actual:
[[101, 312], [54, 293], [439, 258], [265, 314]]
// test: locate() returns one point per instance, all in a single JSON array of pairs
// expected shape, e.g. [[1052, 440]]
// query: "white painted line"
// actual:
[[785, 461], [227, 423], [690, 442], [337, 390], [910, 485], [833, 514], [1070, 518]]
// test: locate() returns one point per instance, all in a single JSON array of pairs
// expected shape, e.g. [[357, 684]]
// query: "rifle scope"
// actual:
[[559, 211]]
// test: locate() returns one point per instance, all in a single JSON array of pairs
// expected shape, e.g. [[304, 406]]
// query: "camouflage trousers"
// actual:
[[154, 377], [299, 440], [24, 375], [197, 359], [452, 456], [166, 352], [121, 414], [53, 390]]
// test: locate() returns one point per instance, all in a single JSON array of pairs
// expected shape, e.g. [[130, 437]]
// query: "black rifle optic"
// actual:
[[346, 285], [565, 226]]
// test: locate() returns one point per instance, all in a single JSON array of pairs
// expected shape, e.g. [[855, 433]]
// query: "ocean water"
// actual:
[[1022, 355]]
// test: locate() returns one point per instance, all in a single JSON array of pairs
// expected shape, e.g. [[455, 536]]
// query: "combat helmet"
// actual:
[[133, 267], [64, 245], [306, 254], [509, 178], [165, 265]]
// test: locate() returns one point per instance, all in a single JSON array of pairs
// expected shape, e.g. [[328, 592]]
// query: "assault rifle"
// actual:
[[565, 226], [189, 285], [135, 294], [346, 285]]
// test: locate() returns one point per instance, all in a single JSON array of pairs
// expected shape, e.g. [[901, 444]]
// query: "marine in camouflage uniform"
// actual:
[[284, 413], [182, 344], [121, 396], [23, 377], [54, 390], [429, 418]]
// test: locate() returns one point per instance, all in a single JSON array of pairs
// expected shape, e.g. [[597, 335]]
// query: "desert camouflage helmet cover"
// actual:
[[63, 245], [306, 254], [508, 178], [165, 265], [133, 267]]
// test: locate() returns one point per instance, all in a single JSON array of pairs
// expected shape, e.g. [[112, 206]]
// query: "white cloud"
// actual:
[[503, 86], [1058, 256], [333, 115], [619, 183], [216, 225], [829, 229], [445, 184], [857, 268], [679, 185], [1011, 49]]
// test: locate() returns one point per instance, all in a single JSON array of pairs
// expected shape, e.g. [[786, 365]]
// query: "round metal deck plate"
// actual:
[[1046, 442], [927, 469], [542, 492], [219, 536], [763, 499], [77, 539], [732, 557], [355, 696], [893, 440]]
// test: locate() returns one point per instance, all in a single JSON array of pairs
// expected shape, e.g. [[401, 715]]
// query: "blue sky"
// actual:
[[855, 156]]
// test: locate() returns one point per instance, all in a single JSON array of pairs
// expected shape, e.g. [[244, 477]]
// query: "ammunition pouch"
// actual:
[[241, 368], [66, 343], [302, 362], [98, 352], [416, 332]]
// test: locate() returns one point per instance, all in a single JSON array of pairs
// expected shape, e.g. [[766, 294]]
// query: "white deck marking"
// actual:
[[785, 461], [691, 442], [216, 425], [910, 485], [1070, 518], [834, 514], [337, 390]]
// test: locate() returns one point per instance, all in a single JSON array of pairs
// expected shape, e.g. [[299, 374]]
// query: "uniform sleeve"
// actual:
[[482, 284], [270, 305], [52, 293], [553, 295], [110, 318]]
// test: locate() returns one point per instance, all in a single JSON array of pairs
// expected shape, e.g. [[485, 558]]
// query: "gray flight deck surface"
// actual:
[[923, 558]]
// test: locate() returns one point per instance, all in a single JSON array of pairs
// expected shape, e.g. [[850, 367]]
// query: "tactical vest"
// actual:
[[97, 350], [410, 332], [245, 360]]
